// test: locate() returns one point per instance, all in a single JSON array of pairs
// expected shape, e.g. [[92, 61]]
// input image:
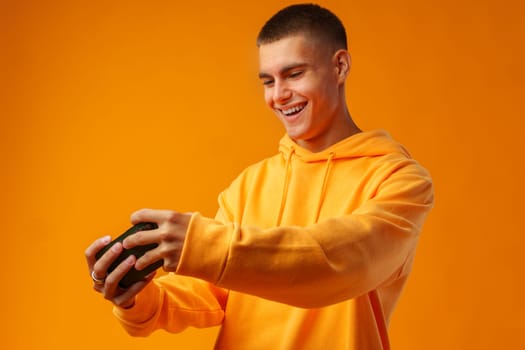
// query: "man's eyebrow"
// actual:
[[284, 70], [264, 75]]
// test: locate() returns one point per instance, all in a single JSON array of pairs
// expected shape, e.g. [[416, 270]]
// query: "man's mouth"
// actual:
[[293, 110]]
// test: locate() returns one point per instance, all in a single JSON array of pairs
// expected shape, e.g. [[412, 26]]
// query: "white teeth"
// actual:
[[292, 110]]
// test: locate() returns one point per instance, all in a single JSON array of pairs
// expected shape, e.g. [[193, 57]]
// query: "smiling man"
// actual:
[[310, 248], [304, 76]]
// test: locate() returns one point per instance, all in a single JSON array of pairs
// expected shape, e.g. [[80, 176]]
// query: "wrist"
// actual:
[[128, 305]]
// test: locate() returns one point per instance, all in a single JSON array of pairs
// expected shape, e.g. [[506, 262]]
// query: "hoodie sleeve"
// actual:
[[321, 264], [174, 303]]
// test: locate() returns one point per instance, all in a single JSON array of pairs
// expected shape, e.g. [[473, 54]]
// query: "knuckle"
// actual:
[[170, 265], [169, 268], [91, 250], [164, 234], [119, 302], [164, 250], [172, 216], [110, 280], [96, 268]]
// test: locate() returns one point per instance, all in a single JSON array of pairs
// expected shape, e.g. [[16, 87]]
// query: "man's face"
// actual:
[[302, 87]]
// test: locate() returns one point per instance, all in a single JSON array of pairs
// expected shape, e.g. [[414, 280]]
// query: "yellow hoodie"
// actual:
[[308, 251]]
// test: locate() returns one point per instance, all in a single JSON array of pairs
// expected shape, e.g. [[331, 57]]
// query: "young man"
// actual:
[[310, 248]]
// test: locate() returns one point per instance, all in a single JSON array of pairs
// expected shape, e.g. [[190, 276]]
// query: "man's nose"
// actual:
[[281, 92]]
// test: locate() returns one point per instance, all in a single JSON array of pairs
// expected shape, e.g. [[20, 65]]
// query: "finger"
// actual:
[[94, 248], [127, 298], [112, 280], [101, 266], [148, 258], [141, 238], [145, 215], [153, 215]]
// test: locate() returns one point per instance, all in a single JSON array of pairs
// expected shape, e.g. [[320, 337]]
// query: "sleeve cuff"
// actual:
[[205, 249], [145, 307]]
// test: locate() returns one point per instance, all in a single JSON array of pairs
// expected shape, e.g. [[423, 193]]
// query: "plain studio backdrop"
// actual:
[[111, 106]]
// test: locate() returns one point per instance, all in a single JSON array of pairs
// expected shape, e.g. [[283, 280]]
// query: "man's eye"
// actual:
[[267, 82], [296, 74]]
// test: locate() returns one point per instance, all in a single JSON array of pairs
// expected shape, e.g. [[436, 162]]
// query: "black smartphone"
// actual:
[[133, 275]]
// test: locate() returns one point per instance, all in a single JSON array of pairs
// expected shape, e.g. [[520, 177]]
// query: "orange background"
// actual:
[[107, 107]]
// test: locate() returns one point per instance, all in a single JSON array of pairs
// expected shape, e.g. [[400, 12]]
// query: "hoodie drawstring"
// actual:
[[285, 186], [328, 167], [325, 184]]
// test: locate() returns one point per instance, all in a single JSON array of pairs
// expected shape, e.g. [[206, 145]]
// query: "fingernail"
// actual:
[[130, 260], [116, 247], [106, 239]]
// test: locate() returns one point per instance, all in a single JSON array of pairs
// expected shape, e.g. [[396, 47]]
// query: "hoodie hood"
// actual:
[[363, 144]]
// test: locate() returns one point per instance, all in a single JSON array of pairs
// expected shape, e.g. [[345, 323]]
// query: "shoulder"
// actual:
[[255, 170], [247, 178]]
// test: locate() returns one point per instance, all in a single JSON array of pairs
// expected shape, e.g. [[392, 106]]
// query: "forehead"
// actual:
[[297, 49]]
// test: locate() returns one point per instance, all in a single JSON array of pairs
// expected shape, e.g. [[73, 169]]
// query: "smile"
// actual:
[[293, 110]]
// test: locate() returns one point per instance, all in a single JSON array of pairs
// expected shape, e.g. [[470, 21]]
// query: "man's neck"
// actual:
[[345, 128]]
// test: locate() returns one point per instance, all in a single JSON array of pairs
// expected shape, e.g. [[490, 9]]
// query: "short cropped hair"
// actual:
[[310, 19]]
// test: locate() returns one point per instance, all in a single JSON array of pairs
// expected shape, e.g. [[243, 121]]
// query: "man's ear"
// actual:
[[343, 63]]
